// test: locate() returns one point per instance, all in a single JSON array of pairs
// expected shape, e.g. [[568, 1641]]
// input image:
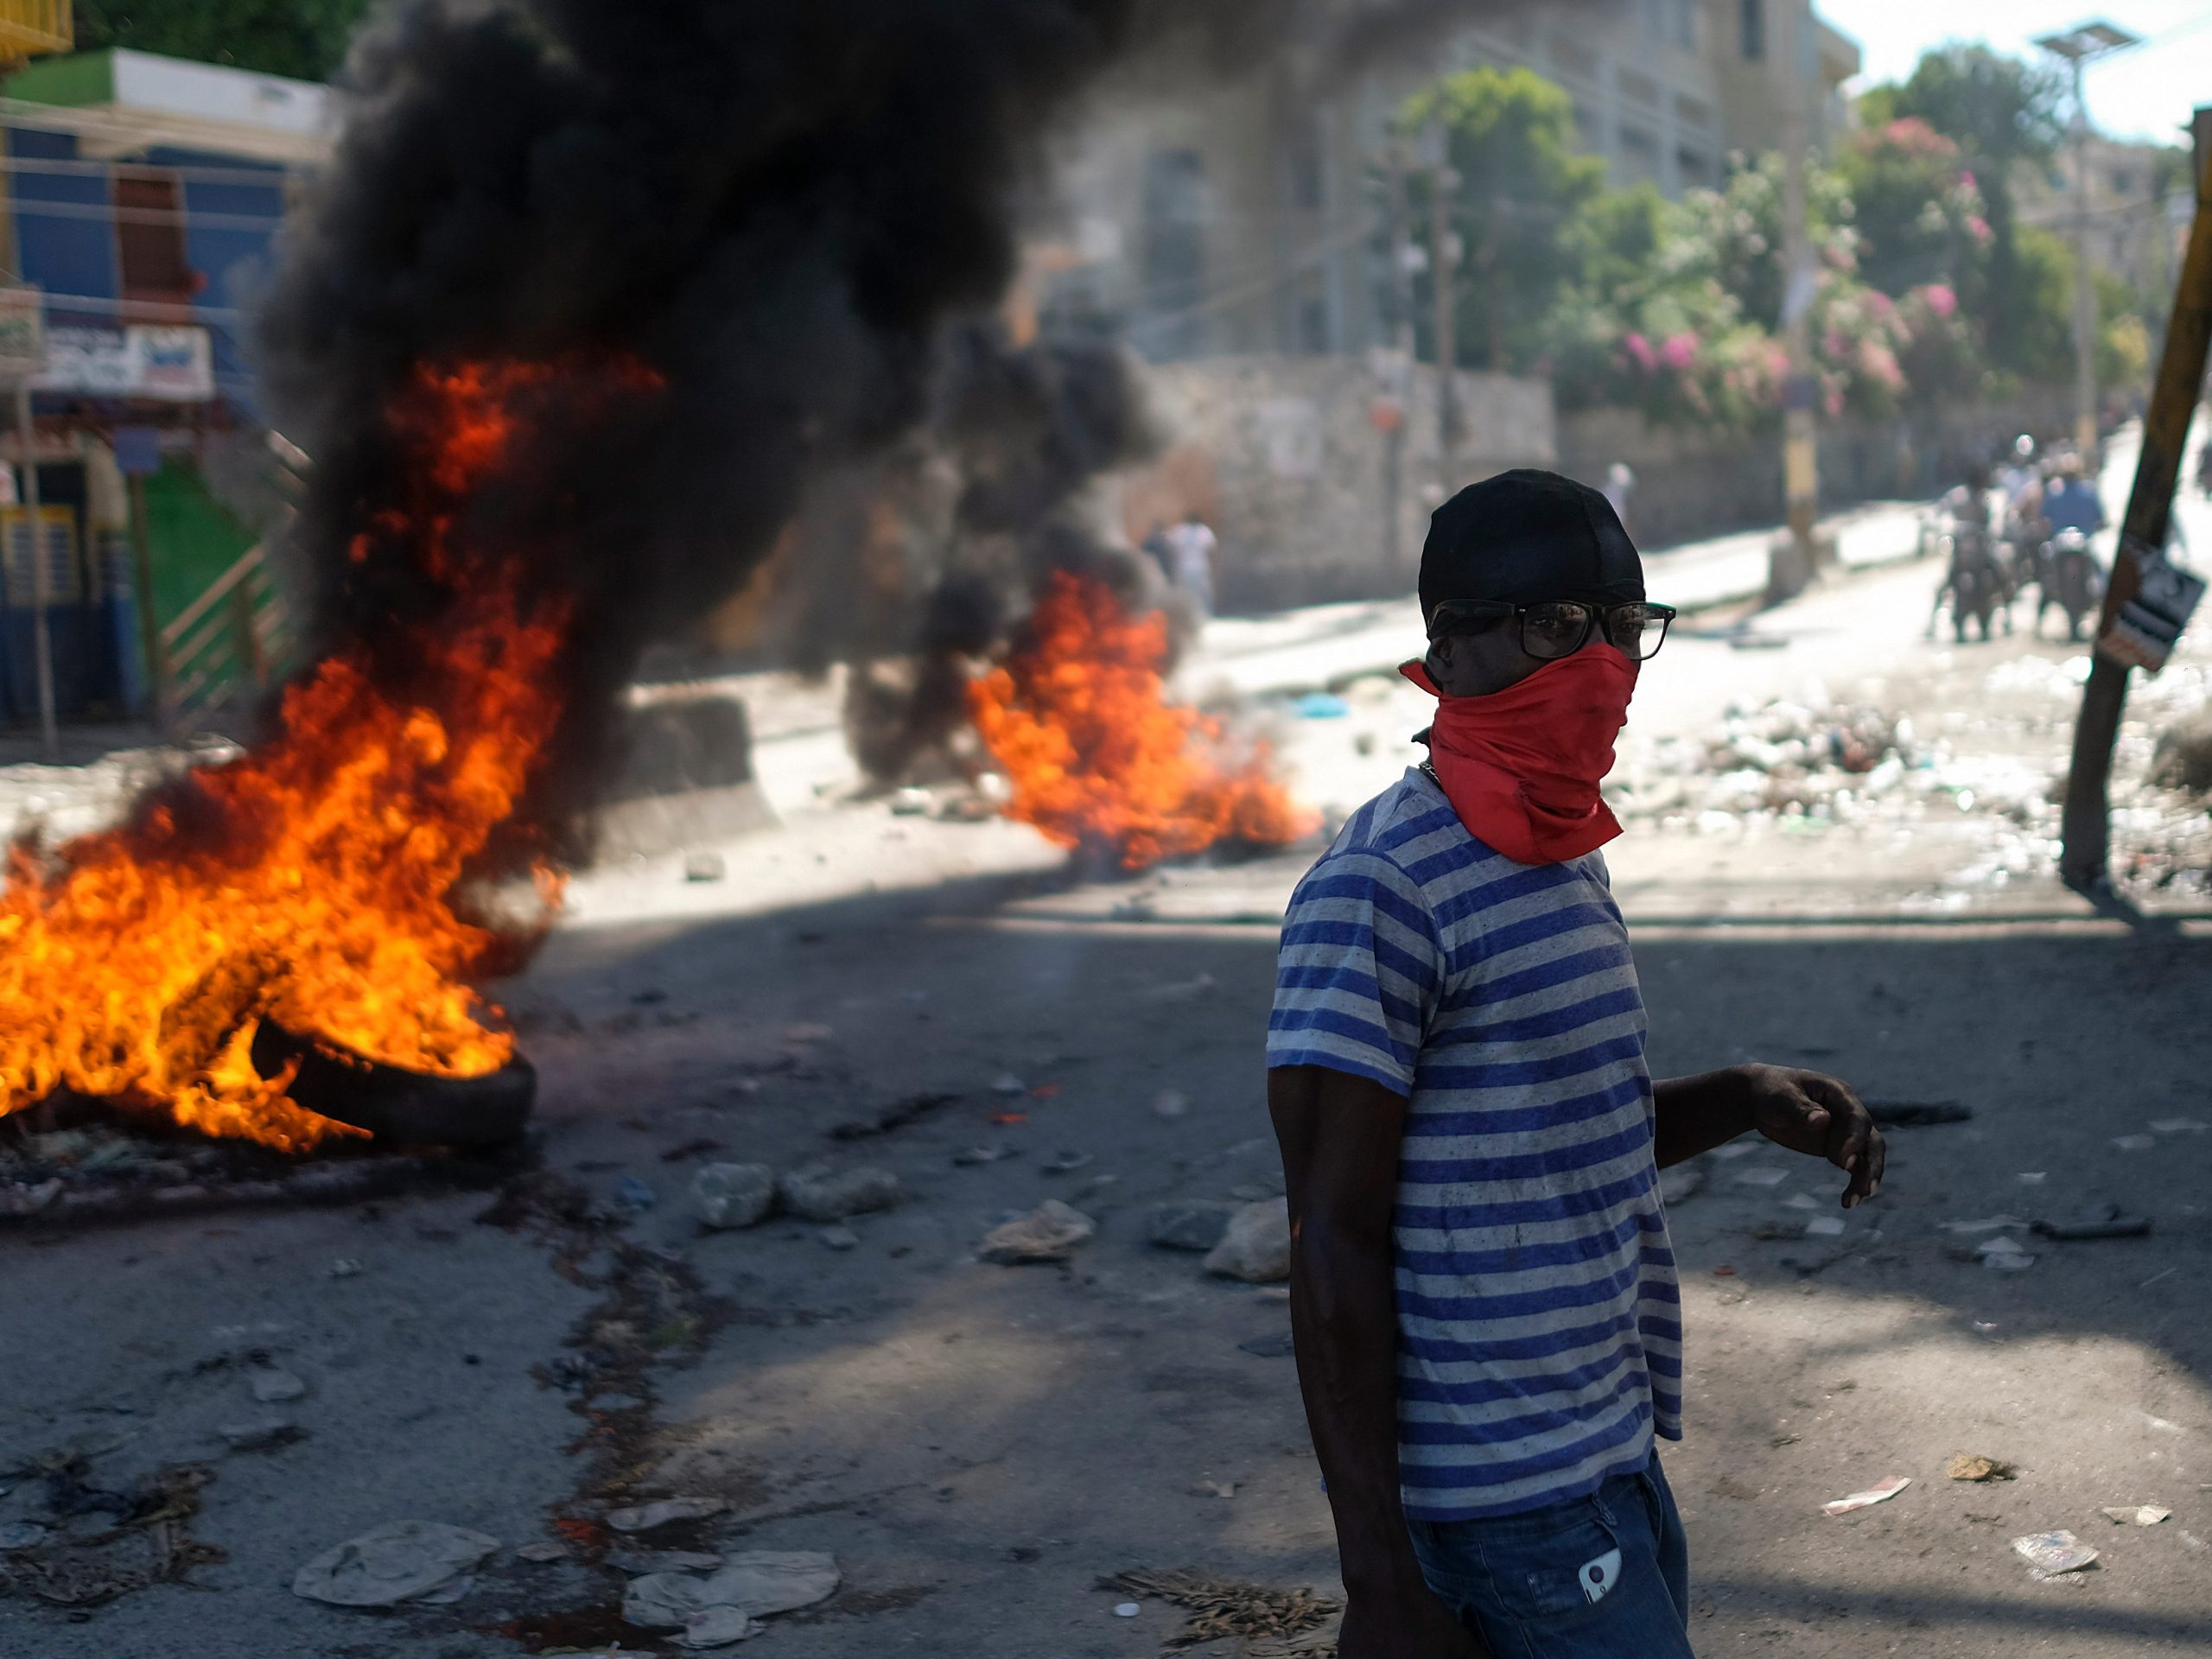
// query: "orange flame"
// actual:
[[1078, 720], [311, 879]]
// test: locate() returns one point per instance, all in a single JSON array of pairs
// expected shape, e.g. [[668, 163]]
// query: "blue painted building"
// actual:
[[143, 197]]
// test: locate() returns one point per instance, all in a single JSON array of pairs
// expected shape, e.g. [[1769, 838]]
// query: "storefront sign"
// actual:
[[172, 364]]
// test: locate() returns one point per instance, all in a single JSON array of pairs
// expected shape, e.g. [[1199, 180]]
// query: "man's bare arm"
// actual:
[[1804, 1111], [1339, 1135]]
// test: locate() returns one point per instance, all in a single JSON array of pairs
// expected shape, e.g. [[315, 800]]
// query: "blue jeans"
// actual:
[[1605, 1576]]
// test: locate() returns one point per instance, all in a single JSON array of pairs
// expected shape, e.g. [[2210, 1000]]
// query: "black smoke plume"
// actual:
[[776, 209]]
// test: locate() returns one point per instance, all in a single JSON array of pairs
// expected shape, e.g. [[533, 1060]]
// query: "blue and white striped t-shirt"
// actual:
[[1539, 1327]]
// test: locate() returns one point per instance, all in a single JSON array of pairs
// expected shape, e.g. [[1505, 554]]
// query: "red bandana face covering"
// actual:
[[1521, 766]]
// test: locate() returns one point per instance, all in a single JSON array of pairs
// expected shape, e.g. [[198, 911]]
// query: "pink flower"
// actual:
[[1939, 299], [1978, 228], [1679, 351], [1640, 348], [1966, 178]]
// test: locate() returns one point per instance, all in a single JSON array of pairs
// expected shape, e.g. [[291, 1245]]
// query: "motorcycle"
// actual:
[[1974, 583], [2069, 577]]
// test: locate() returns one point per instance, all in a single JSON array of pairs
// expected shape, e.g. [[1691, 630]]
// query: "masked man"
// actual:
[[1482, 1292]]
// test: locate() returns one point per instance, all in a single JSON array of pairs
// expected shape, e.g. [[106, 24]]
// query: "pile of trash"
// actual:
[[1814, 764]]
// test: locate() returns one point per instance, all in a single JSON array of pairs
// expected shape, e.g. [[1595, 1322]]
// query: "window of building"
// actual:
[[1685, 19], [1573, 58], [1639, 152], [149, 237], [1754, 31], [2123, 182], [1639, 89], [1693, 168], [1174, 247], [1589, 136], [1691, 113]]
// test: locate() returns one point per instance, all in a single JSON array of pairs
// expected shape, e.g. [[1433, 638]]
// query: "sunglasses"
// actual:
[[1559, 627]]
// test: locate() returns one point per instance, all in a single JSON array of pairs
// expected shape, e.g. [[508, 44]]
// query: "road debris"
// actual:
[[1256, 1247], [1881, 1492], [840, 1237], [399, 1561], [547, 1551], [971, 1156], [2135, 1142], [704, 866], [1196, 1226], [1126, 1610], [644, 1518], [1965, 1466], [2003, 1255], [727, 1196], [265, 1435], [1051, 1232], [895, 1115], [21, 1535], [757, 1583], [820, 1194], [273, 1387], [1224, 1608], [2138, 1515], [1906, 1113], [1065, 1163], [1009, 1085], [2178, 1126], [2104, 1221], [1169, 1105], [2050, 1554], [1679, 1182], [1762, 1177]]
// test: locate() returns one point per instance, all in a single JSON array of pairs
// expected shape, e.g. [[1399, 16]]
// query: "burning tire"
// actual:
[[392, 1103]]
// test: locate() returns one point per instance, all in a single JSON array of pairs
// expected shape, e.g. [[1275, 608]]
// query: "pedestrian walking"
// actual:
[[1190, 546], [1483, 1293]]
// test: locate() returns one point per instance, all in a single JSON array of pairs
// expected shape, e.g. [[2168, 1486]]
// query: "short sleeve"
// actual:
[[1359, 972]]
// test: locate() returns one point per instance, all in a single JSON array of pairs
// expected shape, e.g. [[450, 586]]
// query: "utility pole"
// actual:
[[2148, 599], [1400, 356], [2079, 47], [1792, 562], [1443, 267]]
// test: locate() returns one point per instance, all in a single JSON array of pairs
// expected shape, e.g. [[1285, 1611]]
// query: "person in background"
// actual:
[[2072, 503], [1483, 1293], [1191, 548]]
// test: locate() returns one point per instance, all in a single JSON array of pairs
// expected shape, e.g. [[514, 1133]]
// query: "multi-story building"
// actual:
[[1247, 220], [139, 198], [2140, 206]]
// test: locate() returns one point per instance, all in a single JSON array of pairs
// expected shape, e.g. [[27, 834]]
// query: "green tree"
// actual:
[[1518, 183], [1920, 218], [2001, 112], [305, 39]]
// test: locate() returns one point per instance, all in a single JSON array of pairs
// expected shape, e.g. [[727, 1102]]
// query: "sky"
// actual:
[[2147, 92]]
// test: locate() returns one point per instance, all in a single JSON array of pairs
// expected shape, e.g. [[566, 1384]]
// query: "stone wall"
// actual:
[[1284, 457], [1691, 484]]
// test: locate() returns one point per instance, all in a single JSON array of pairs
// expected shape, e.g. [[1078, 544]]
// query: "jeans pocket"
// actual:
[[1542, 1572]]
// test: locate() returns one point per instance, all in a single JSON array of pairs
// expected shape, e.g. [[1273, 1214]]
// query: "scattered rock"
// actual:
[[733, 1195], [1256, 1247], [544, 1552], [1006, 1083], [1964, 1465], [271, 1387], [644, 1518], [395, 1562], [1051, 1232], [704, 866], [820, 1194], [345, 1268], [21, 1535], [1065, 1163], [1194, 1226], [264, 1435], [839, 1238], [757, 1583]]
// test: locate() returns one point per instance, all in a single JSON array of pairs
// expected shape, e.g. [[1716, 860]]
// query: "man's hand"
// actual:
[[1409, 1624], [1820, 1115]]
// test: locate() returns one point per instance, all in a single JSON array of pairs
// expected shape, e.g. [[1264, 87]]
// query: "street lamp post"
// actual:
[[2080, 47]]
